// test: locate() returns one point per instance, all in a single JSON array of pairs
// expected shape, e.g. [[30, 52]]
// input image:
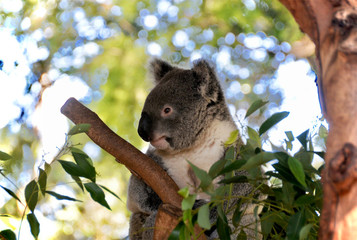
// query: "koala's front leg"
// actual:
[[143, 202]]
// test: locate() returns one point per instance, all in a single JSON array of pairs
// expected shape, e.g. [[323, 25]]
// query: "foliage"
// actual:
[[81, 170], [289, 192]]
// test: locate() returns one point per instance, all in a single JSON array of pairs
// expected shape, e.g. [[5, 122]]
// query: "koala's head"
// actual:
[[181, 106]]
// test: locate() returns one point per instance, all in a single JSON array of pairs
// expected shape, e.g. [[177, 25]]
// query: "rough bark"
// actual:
[[332, 26], [137, 162]]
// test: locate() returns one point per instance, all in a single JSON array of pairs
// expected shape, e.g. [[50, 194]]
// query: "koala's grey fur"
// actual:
[[185, 118]]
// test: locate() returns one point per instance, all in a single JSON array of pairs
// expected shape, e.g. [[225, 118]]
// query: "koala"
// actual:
[[185, 118]]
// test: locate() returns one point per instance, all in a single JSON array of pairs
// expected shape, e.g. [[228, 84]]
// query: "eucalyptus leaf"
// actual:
[[254, 136], [75, 170], [97, 194], [4, 156], [188, 202], [257, 160], [303, 139], [232, 138], [11, 193], [111, 192], [203, 217], [223, 228], [297, 169], [202, 175], [7, 234], [304, 232], [289, 135], [62, 197], [184, 192], [34, 225], [31, 194], [273, 120], [42, 181], [217, 167], [255, 106], [79, 128], [85, 163], [235, 179], [296, 222], [78, 181], [233, 166]]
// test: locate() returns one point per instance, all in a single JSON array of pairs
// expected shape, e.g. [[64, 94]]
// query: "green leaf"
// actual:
[[78, 181], [42, 181], [31, 194], [184, 192], [217, 167], [187, 203], [175, 234], [230, 154], [254, 107], [84, 162], [233, 166], [4, 156], [7, 234], [235, 179], [203, 217], [202, 175], [267, 222], [34, 225], [254, 136], [96, 193], [303, 139], [257, 160], [298, 171], [295, 224], [232, 138], [62, 197], [305, 200], [223, 228], [80, 152], [75, 170], [80, 128], [304, 232], [11, 193], [273, 120], [237, 216], [111, 192], [289, 135]]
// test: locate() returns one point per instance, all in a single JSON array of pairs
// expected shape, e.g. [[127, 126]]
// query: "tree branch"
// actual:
[[133, 159]]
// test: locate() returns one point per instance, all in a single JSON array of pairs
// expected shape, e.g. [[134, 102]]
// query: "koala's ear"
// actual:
[[207, 80], [159, 69]]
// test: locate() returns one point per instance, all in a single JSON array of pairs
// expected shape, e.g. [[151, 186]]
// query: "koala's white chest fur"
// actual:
[[205, 152]]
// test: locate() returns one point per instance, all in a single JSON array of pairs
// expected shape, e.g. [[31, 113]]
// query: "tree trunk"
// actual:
[[332, 26]]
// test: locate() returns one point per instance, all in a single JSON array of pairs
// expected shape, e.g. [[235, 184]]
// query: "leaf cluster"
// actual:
[[81, 170], [286, 197]]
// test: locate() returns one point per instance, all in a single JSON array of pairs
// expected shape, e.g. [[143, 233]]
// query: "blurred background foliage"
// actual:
[[97, 51]]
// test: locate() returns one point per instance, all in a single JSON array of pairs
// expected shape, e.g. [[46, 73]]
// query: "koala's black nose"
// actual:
[[145, 125]]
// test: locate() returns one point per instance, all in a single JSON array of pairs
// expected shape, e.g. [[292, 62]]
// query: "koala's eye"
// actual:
[[166, 111]]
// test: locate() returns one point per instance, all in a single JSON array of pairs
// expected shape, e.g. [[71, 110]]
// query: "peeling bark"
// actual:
[[332, 26]]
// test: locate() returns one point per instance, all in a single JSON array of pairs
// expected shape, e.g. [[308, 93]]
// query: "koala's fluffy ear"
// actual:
[[159, 69], [207, 81]]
